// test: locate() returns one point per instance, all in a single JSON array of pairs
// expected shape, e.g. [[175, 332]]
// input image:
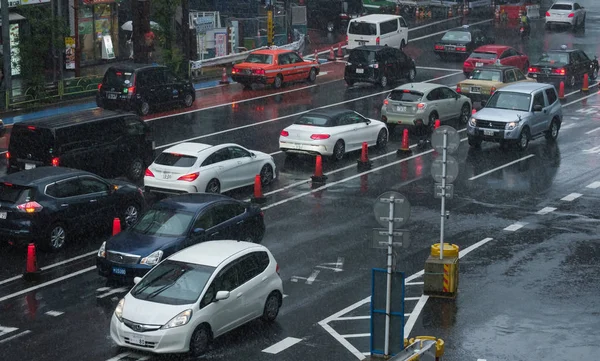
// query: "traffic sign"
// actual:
[[451, 169], [380, 238], [401, 209], [437, 139], [438, 190]]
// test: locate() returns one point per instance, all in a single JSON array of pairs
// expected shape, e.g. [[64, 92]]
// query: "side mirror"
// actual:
[[483, 103], [537, 108], [136, 280], [368, 121], [198, 231], [222, 295], [253, 155]]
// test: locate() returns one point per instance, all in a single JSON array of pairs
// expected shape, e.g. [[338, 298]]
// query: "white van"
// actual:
[[377, 29]]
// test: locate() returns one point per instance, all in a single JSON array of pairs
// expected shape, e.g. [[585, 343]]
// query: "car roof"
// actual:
[[72, 118], [192, 202], [188, 148], [563, 2], [213, 253], [497, 67], [421, 87], [525, 87], [376, 18], [465, 28], [41, 175], [272, 51], [329, 112], [134, 67], [492, 48]]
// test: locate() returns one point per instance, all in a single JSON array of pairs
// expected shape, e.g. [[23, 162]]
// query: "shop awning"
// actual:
[[12, 17]]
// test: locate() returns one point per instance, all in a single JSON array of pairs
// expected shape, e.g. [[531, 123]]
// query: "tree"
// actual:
[[164, 12]]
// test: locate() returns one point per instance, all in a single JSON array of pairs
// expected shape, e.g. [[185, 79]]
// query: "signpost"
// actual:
[[391, 210], [444, 139]]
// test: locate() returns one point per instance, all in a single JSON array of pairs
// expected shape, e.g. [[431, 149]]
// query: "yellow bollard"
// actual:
[[441, 275]]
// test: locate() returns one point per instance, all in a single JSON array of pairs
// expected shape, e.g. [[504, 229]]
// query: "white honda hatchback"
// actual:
[[197, 295]]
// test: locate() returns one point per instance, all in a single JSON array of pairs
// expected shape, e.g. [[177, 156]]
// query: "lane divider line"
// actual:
[[515, 226], [593, 185], [502, 166], [571, 197], [546, 210]]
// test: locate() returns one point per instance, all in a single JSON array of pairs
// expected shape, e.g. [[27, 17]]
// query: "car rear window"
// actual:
[[118, 78], [561, 7], [313, 120], [259, 59], [175, 160], [360, 28], [551, 58], [457, 36], [29, 139], [361, 56], [482, 55], [490, 75], [14, 193], [405, 95]]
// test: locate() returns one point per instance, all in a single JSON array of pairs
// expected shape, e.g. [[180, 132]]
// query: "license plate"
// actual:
[[478, 64], [298, 146], [137, 340], [534, 75], [29, 166], [488, 132], [119, 271], [166, 175], [451, 48], [400, 109], [475, 89], [360, 71], [248, 71], [2, 215], [112, 95]]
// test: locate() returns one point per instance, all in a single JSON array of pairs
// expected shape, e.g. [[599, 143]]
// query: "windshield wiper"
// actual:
[[143, 288], [159, 291]]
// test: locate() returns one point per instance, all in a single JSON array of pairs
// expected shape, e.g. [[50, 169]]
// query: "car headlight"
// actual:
[[473, 122], [119, 309], [152, 259], [512, 125], [102, 250], [179, 320]]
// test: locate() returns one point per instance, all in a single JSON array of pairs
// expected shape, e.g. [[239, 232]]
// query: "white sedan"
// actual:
[[332, 132], [565, 13], [197, 167]]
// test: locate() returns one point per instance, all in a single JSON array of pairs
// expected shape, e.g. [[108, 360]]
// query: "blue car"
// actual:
[[173, 224]]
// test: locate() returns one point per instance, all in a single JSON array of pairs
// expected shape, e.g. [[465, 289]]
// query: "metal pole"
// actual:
[[77, 42], [61, 52], [388, 291], [52, 44], [443, 210], [6, 51]]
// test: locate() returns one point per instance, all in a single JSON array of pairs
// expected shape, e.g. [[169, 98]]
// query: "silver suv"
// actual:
[[517, 114]]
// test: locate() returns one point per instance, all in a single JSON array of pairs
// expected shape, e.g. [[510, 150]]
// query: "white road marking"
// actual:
[[502, 166], [567, 126], [282, 345], [573, 118], [582, 98], [414, 283], [592, 150], [113, 291], [102, 289], [411, 298], [445, 31], [7, 330], [410, 323], [593, 185], [355, 335], [593, 131], [15, 336], [284, 296], [546, 210], [352, 318], [334, 266], [323, 73], [587, 111], [515, 226], [571, 197], [312, 277], [54, 313], [481, 359]]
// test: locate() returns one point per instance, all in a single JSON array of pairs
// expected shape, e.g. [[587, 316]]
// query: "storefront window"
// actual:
[[97, 19]]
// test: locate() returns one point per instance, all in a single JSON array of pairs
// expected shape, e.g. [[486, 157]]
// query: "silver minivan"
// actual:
[[517, 114]]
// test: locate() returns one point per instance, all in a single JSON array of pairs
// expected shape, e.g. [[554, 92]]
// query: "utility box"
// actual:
[[441, 275]]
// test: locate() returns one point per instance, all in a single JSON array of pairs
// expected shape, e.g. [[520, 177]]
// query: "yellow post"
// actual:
[[441, 275], [270, 32]]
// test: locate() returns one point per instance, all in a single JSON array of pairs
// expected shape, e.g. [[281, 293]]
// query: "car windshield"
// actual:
[[259, 59], [457, 36], [482, 55], [553, 57], [313, 120], [561, 7], [175, 160], [360, 28], [173, 283], [509, 100], [405, 95], [164, 222], [361, 56], [486, 74]]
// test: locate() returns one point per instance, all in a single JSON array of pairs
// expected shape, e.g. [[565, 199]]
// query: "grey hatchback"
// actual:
[[517, 114]]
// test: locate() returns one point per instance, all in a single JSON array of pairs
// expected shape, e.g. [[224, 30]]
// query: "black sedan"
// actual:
[[568, 65], [48, 205], [173, 224], [380, 65], [461, 42]]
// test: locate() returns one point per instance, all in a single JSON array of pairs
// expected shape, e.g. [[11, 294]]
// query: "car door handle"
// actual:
[[240, 222], [239, 295], [64, 205], [239, 162], [264, 278], [214, 234], [93, 200]]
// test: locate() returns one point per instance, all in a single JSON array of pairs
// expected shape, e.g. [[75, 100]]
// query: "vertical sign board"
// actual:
[[378, 295], [270, 33], [220, 44], [69, 53]]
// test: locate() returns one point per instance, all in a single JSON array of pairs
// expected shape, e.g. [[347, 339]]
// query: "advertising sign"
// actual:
[[69, 52], [220, 44]]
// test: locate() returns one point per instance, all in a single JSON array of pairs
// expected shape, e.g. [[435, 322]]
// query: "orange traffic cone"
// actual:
[[340, 52], [437, 124], [363, 162], [258, 194], [561, 91], [404, 149], [32, 271], [319, 177], [331, 54], [224, 78], [116, 226], [585, 88]]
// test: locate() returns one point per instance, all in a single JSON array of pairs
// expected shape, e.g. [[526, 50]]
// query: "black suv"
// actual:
[[142, 87], [47, 205], [378, 65], [98, 141]]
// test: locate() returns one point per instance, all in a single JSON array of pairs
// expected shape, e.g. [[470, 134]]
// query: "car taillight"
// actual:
[[319, 136], [547, 13], [458, 89], [234, 71], [277, 268], [461, 48], [466, 64], [493, 90], [258, 71], [7, 155], [421, 106], [100, 86], [148, 173], [533, 70], [189, 177], [30, 207], [30, 127], [377, 40], [131, 90], [386, 102], [560, 71], [439, 47], [571, 15], [285, 133], [55, 162]]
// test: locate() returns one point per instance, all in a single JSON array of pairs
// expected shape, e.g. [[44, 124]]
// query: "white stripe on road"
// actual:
[[593, 131], [356, 335], [515, 226], [352, 318], [15, 336], [54, 313], [282, 345], [412, 320], [593, 185], [571, 197], [7, 330], [502, 166], [414, 283], [546, 210]]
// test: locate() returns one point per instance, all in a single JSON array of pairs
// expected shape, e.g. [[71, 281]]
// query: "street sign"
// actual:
[[451, 169], [204, 24], [387, 307], [380, 238], [437, 139], [449, 190], [401, 209]]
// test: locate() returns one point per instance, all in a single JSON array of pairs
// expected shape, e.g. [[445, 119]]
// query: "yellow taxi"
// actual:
[[274, 67], [484, 81]]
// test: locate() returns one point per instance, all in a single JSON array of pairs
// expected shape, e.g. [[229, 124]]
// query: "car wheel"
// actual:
[[349, 82], [266, 174], [130, 215], [552, 133], [594, 74], [433, 116], [402, 45], [475, 142], [571, 81], [382, 139], [188, 100], [278, 82], [144, 108], [383, 81], [412, 74], [57, 237], [200, 340], [272, 305], [312, 75], [213, 186], [135, 171], [465, 113], [523, 141], [339, 150]]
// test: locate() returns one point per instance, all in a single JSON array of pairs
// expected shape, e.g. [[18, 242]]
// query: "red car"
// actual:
[[495, 54]]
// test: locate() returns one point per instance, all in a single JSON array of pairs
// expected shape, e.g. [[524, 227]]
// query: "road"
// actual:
[[525, 222]]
